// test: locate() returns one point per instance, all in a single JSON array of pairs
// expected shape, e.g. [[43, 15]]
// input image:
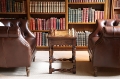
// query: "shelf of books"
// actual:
[[64, 15], [46, 15], [115, 14], [13, 9], [82, 15], [86, 11]]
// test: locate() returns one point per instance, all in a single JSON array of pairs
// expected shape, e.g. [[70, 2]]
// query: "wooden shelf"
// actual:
[[66, 48], [86, 3], [7, 13], [116, 7], [40, 30], [56, 13], [83, 23]]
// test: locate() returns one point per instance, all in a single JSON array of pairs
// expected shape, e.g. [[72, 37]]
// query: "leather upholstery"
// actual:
[[17, 43], [111, 31], [9, 31], [104, 44]]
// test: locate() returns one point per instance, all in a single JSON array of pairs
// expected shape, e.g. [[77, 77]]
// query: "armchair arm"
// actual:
[[25, 29]]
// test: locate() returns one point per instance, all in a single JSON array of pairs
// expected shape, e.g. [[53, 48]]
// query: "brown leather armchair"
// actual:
[[17, 44], [104, 44]]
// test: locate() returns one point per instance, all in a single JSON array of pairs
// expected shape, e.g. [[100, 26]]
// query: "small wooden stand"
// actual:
[[62, 40]]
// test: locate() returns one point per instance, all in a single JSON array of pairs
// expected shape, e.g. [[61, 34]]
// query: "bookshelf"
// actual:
[[43, 11], [13, 9], [115, 9], [82, 16], [50, 14]]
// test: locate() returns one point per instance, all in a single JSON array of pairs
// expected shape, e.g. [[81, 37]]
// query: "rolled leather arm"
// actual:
[[6, 31], [111, 31]]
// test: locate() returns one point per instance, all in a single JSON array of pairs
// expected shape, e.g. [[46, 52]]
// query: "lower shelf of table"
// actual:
[[63, 70], [62, 48]]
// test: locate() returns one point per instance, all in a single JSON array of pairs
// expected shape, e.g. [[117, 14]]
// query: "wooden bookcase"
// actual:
[[86, 25], [9, 9], [68, 4], [46, 13], [115, 9]]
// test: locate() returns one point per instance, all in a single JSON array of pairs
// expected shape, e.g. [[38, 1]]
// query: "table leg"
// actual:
[[74, 59], [50, 59]]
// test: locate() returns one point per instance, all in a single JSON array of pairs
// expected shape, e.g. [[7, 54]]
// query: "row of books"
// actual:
[[47, 6], [116, 16], [51, 23], [82, 38], [84, 15], [117, 3], [86, 0], [12, 6], [41, 38]]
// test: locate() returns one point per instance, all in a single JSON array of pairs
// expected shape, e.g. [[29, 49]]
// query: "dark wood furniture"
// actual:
[[56, 40], [104, 44], [29, 11], [115, 9]]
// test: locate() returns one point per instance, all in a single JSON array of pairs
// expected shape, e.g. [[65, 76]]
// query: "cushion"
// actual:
[[111, 31], [117, 31], [3, 31], [13, 32], [6, 31]]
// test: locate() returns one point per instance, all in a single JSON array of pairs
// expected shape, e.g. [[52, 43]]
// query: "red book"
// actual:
[[84, 14], [33, 20], [51, 23], [96, 16], [38, 24], [61, 24], [54, 23]]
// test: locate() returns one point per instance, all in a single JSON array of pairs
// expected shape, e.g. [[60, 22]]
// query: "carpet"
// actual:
[[40, 68]]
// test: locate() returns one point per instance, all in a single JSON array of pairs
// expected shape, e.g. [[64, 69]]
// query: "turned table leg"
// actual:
[[74, 59], [50, 59]]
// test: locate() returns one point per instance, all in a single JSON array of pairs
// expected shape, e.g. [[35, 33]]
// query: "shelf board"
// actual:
[[86, 3], [49, 13], [12, 13], [42, 47], [82, 23], [116, 7], [40, 30], [61, 48]]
